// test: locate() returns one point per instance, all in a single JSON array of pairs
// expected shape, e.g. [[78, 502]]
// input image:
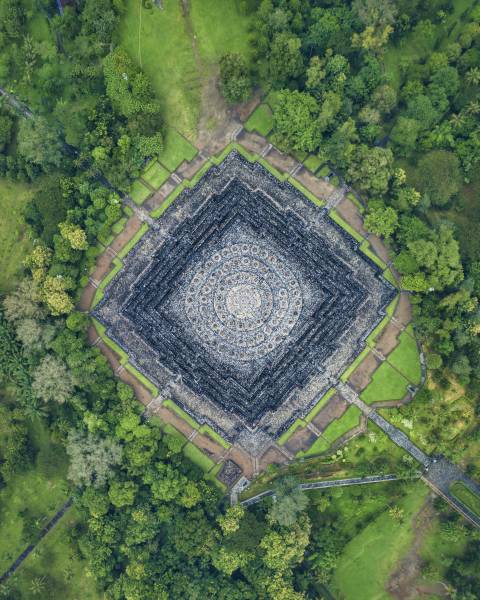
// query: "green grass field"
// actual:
[[198, 457], [405, 358], [261, 120], [370, 557], [155, 175], [219, 27], [176, 150], [386, 384], [139, 192], [32, 497], [56, 567], [178, 53], [14, 245], [336, 429], [159, 42]]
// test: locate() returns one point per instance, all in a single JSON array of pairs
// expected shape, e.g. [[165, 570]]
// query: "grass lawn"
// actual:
[[261, 120], [370, 557], [471, 500], [138, 192], [220, 27], [32, 497], [155, 175], [13, 243], [176, 150], [159, 42], [386, 384], [405, 358], [313, 163], [57, 565], [336, 429], [198, 457]]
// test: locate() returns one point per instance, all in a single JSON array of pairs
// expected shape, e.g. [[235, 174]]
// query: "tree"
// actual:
[[296, 121], [12, 18], [52, 380], [122, 493], [92, 459], [285, 61], [235, 80], [24, 302], [29, 332], [74, 234], [40, 144], [55, 295], [290, 501], [371, 168], [381, 220], [434, 361], [439, 176], [405, 134], [230, 521], [283, 549], [385, 98]]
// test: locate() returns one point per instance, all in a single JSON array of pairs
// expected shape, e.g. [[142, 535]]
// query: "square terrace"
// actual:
[[244, 303]]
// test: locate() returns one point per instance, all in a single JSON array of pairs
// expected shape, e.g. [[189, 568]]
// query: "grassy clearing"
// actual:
[[32, 497], [171, 405], [406, 359], [57, 565], [176, 150], [159, 42], [335, 430], [370, 557], [14, 245], [386, 384], [198, 457], [220, 27], [139, 192], [313, 163], [155, 175], [261, 120], [471, 500]]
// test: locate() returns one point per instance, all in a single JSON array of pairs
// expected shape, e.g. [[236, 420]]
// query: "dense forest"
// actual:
[[388, 93]]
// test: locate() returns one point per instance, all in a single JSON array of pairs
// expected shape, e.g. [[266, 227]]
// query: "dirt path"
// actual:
[[402, 582]]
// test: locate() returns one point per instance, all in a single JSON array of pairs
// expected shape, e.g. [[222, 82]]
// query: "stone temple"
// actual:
[[244, 303]]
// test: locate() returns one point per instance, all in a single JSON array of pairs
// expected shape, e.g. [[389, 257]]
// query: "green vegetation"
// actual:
[[367, 561], [32, 496], [14, 244], [198, 457], [337, 428], [155, 175], [405, 358], [139, 192], [313, 163], [176, 150], [55, 568], [465, 495], [260, 120], [160, 44], [386, 384]]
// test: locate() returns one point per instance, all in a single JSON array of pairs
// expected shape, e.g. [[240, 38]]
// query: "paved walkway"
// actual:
[[438, 473], [29, 549], [329, 483]]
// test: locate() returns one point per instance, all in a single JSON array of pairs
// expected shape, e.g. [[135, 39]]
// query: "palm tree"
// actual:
[[473, 107], [472, 76], [37, 585], [457, 120]]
